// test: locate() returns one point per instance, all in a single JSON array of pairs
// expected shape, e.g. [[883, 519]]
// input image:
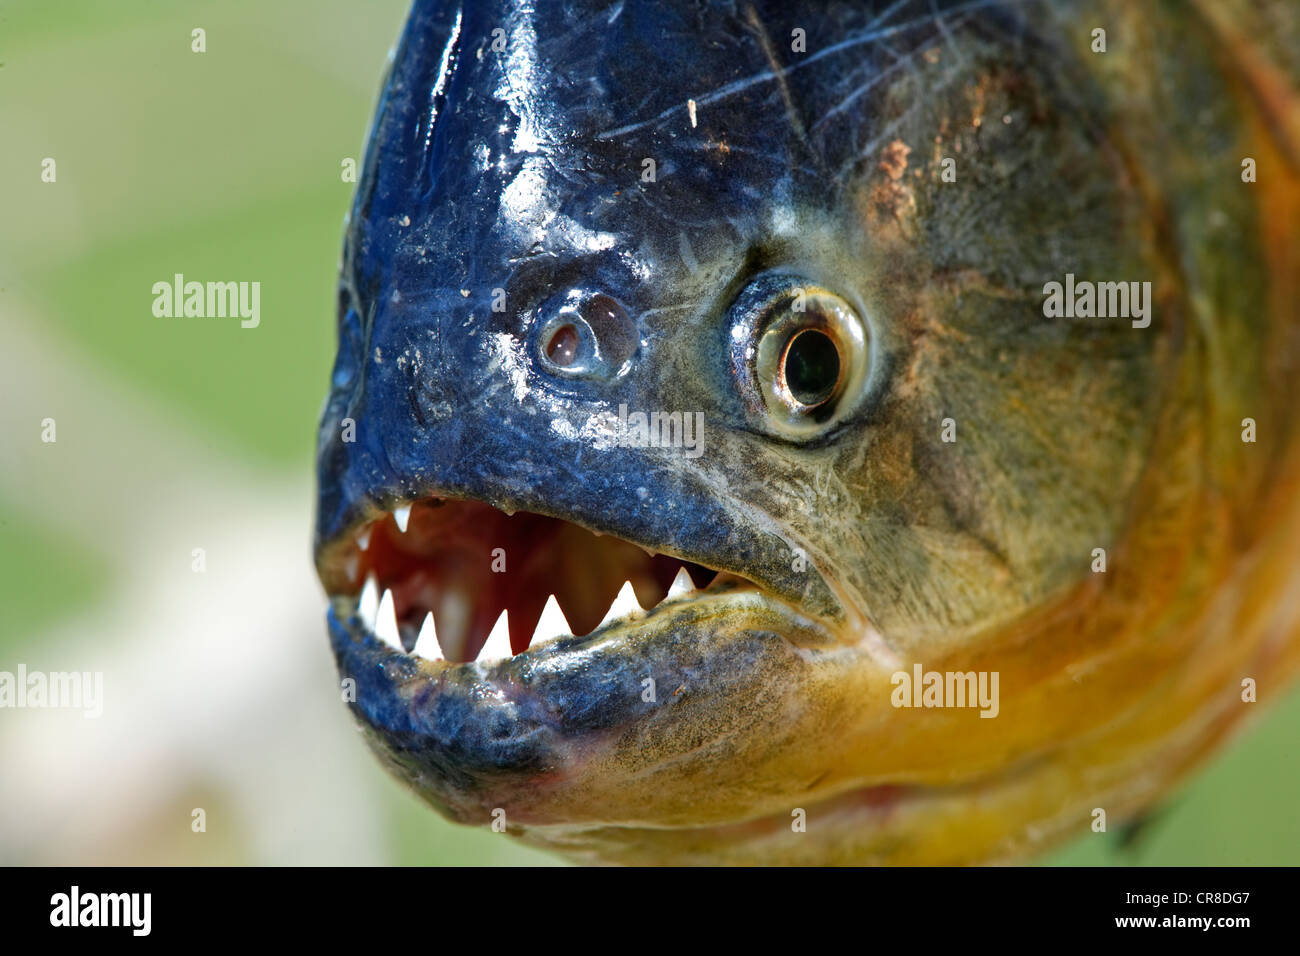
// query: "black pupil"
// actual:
[[812, 366]]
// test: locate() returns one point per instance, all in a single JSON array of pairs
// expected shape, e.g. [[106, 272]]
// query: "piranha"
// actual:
[[705, 476]]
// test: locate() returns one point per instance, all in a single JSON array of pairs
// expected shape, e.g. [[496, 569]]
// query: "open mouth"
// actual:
[[460, 581]]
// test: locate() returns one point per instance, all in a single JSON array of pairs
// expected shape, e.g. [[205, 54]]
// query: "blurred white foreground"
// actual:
[[219, 688]]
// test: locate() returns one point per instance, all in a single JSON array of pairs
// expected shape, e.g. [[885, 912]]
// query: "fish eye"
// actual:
[[800, 353]]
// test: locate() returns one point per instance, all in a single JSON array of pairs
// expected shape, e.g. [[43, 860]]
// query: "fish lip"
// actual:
[[470, 737]]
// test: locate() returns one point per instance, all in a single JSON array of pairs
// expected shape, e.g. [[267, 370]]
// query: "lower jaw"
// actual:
[[553, 737], [532, 732]]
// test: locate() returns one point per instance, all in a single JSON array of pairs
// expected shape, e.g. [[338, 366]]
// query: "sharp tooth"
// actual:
[[386, 622], [624, 604], [682, 584], [403, 517], [453, 614], [350, 564], [368, 603], [550, 625], [426, 645], [363, 539], [497, 646]]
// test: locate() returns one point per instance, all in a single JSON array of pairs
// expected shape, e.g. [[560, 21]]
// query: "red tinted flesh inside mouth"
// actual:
[[464, 562]]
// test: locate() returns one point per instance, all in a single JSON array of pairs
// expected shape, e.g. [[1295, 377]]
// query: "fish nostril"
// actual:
[[567, 346], [588, 336], [562, 348], [614, 329]]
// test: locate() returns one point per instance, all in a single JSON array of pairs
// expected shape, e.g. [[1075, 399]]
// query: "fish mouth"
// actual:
[[455, 581], [519, 663]]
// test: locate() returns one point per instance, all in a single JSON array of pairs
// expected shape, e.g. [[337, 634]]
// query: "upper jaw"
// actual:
[[626, 494]]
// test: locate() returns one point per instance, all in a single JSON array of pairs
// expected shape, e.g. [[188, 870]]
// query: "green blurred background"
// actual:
[[176, 434]]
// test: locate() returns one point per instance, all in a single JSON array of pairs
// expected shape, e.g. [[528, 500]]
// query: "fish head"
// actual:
[[678, 312]]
